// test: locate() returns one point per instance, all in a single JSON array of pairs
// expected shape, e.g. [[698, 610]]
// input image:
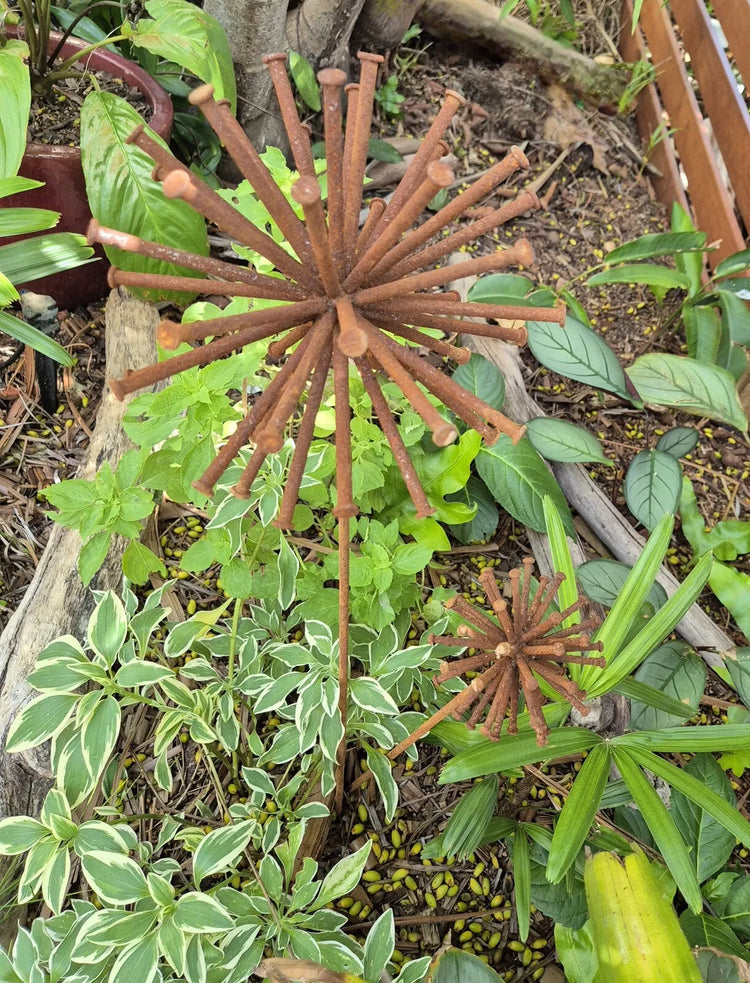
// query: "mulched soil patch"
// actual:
[[587, 210], [55, 118]]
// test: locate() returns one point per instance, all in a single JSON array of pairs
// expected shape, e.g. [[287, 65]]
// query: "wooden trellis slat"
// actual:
[[710, 201], [734, 17], [718, 91]]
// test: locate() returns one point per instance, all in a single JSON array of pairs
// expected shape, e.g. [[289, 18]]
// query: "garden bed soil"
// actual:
[[595, 197]]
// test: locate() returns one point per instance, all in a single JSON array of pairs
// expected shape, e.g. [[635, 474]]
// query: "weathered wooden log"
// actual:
[[585, 496], [479, 23], [56, 602]]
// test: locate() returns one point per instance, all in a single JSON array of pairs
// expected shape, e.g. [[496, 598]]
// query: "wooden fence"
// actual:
[[704, 110]]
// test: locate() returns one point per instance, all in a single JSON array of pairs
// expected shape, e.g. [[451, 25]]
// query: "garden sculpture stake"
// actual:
[[347, 294]]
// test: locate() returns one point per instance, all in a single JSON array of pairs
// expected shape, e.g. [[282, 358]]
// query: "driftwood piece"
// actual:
[[479, 23], [624, 543], [56, 602]]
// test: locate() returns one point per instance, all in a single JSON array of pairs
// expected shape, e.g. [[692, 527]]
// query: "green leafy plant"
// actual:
[[40, 256], [630, 752]]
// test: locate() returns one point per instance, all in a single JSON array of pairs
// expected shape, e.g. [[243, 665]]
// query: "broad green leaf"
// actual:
[[19, 834], [33, 259], [732, 587], [458, 966], [519, 480], [649, 274], [648, 696], [500, 288], [55, 880], [119, 927], [481, 528], [121, 192], [711, 932], [108, 627], [31, 336], [379, 946], [575, 951], [380, 766], [710, 842], [139, 562], [727, 539], [685, 384], [652, 486], [480, 377], [343, 877], [39, 720], [603, 580], [15, 98], [198, 912], [574, 822], [658, 244], [219, 849], [115, 878], [702, 333], [142, 674], [558, 440], [522, 882], [376, 150], [737, 317], [138, 961], [675, 670], [661, 826], [100, 734], [738, 664], [183, 33], [516, 750], [733, 264], [677, 740], [304, 78], [634, 928], [678, 441], [579, 353], [17, 184]]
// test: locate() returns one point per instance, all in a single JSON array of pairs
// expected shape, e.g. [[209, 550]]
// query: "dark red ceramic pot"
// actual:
[[64, 189]]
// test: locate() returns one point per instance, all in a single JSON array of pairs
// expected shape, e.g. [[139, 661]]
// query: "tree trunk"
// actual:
[[56, 602], [479, 22], [254, 28], [383, 23], [320, 31]]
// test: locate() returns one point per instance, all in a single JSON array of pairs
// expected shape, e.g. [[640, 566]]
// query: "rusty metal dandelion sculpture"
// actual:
[[346, 295]]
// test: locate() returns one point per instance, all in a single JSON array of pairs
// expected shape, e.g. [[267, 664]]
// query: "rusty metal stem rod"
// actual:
[[332, 81], [277, 349], [428, 305], [306, 191], [444, 348], [245, 156], [414, 172], [443, 432], [354, 165], [376, 209], [275, 318], [264, 402]]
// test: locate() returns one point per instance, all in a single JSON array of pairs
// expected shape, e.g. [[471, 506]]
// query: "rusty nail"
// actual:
[[458, 206], [250, 473], [398, 448], [220, 117], [376, 209], [440, 347], [352, 339], [443, 432], [457, 240], [306, 192], [284, 519], [438, 176], [345, 507], [354, 165], [332, 81], [299, 138]]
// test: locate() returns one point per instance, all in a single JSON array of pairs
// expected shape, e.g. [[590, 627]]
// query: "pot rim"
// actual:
[[102, 60]]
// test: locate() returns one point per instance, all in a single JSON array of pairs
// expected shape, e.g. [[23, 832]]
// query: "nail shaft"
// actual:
[[198, 285], [345, 506], [398, 448], [222, 121], [276, 319], [332, 81], [354, 165], [306, 191], [299, 138]]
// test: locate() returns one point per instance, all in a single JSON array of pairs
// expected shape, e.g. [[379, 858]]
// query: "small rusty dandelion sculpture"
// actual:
[[345, 295], [525, 643]]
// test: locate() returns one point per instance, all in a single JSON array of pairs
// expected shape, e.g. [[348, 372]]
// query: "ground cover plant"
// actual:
[[213, 740]]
